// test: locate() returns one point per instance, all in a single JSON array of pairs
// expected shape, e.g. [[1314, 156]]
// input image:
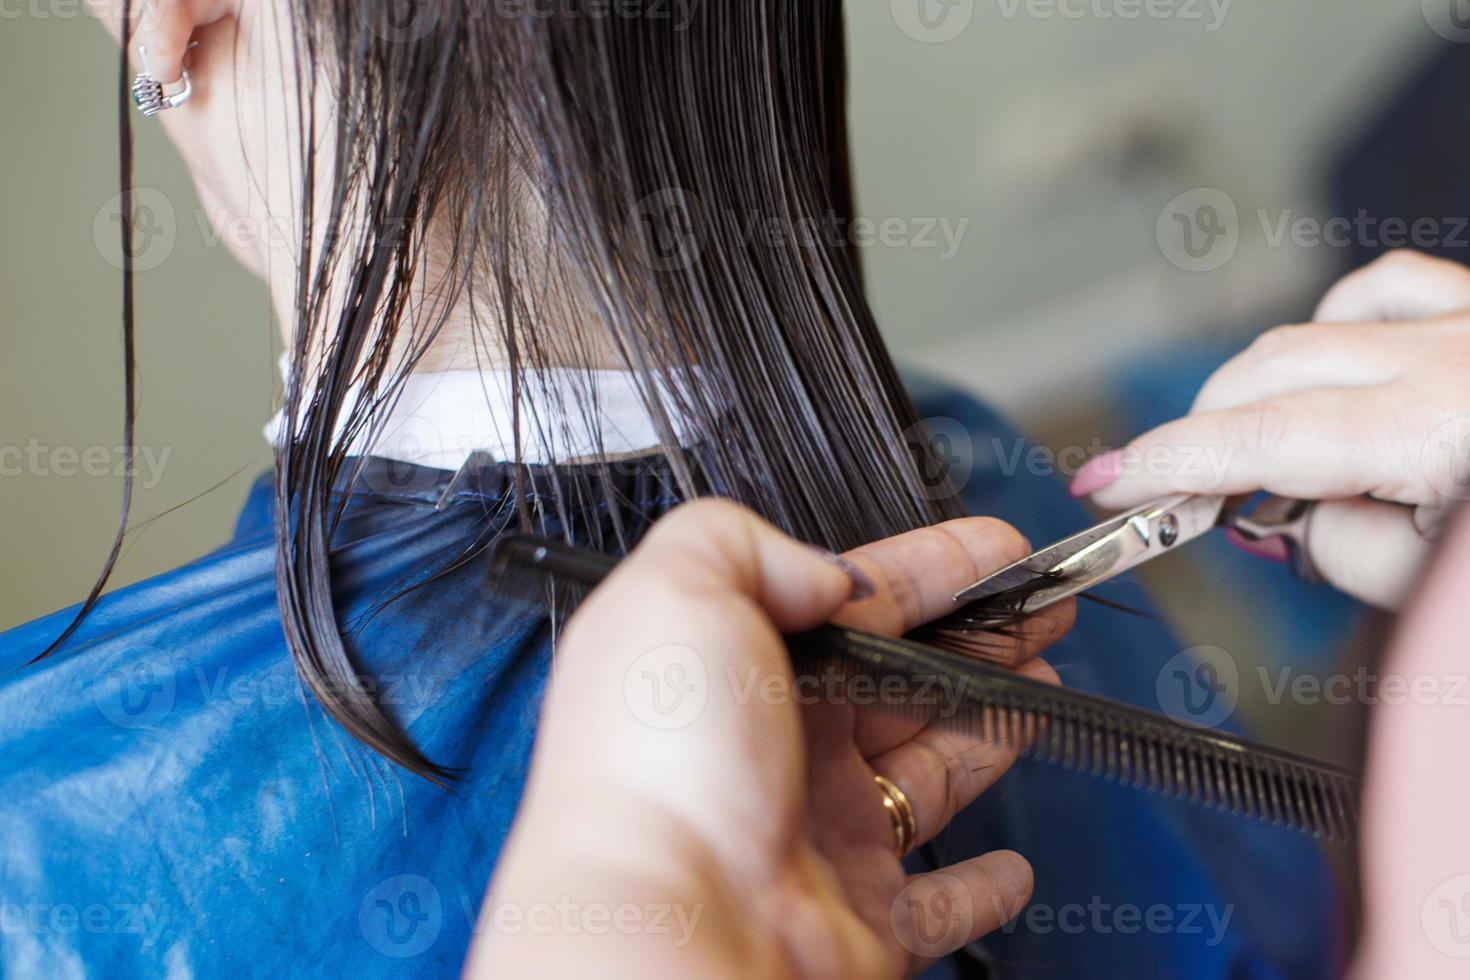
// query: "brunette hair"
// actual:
[[589, 176]]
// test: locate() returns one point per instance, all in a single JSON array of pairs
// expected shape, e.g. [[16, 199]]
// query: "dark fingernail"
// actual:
[[862, 584]]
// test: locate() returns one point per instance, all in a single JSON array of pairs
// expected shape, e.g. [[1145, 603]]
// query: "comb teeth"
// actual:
[[1072, 729], [1101, 738]]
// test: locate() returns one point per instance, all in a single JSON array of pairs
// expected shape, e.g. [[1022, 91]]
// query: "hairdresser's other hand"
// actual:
[[1367, 407], [684, 817]]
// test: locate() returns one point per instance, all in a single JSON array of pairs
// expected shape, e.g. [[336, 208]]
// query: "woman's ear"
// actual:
[[168, 26], [164, 27]]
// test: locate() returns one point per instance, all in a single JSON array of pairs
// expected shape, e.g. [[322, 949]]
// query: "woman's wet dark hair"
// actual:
[[655, 184]]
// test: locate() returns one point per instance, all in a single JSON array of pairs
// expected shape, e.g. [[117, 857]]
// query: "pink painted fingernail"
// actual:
[[1099, 472], [1272, 549]]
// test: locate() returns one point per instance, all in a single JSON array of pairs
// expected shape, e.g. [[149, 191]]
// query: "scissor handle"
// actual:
[[1278, 517]]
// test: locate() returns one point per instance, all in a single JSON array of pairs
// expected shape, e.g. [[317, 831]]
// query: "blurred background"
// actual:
[[1077, 209]]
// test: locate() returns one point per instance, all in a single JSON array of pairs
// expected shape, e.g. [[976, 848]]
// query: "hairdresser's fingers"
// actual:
[[669, 662], [1403, 285], [917, 574], [1320, 444], [1368, 549], [943, 911], [1298, 358], [703, 598], [942, 771], [715, 551]]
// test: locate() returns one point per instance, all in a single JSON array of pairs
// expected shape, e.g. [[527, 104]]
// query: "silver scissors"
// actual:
[[1101, 553]]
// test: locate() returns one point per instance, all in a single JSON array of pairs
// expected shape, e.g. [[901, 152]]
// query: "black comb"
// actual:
[[1073, 729]]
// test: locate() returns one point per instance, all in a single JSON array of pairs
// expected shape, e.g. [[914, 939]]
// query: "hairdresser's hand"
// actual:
[[1368, 407], [677, 783]]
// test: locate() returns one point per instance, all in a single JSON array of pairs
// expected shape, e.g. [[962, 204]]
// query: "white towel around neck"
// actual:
[[442, 418]]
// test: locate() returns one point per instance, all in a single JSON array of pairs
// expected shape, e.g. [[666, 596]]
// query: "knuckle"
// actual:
[[1278, 341], [905, 593], [1401, 258], [709, 514], [995, 537], [710, 528], [1260, 426]]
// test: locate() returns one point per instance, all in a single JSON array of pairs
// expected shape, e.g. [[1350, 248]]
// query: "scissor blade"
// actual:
[[1102, 552]]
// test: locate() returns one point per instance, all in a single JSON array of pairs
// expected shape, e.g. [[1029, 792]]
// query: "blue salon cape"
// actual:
[[172, 806]]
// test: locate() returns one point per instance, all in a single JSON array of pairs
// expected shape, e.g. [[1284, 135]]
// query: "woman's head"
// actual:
[[645, 184]]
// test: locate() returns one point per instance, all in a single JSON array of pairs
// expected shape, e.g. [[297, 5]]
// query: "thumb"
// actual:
[[1368, 549]]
